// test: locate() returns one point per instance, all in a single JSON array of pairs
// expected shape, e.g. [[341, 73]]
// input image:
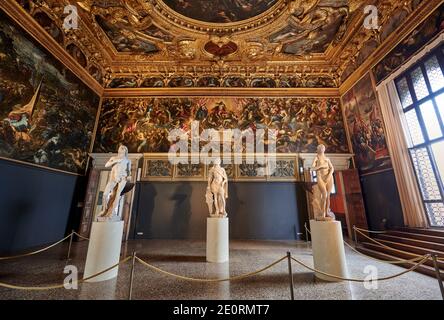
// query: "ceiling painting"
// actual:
[[227, 43], [220, 11]]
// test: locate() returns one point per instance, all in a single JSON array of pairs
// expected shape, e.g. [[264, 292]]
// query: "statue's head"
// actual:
[[123, 151], [217, 162], [321, 149]]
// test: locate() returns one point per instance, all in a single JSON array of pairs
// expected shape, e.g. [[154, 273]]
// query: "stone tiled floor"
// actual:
[[188, 258]]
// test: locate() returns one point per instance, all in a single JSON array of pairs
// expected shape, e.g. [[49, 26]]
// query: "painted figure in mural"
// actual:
[[321, 192], [217, 191], [302, 124], [120, 174], [20, 118]]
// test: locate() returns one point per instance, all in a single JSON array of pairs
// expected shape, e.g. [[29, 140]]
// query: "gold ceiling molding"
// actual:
[[22, 18], [222, 92], [142, 39], [396, 37], [186, 50]]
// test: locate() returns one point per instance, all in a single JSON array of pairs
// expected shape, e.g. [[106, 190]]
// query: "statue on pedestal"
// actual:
[[217, 191], [119, 177], [322, 190]]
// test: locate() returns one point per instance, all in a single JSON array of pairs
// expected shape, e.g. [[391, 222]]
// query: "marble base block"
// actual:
[[217, 240], [104, 250], [328, 249]]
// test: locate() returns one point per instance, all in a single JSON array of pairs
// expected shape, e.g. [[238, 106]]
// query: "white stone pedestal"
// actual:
[[217, 240], [328, 249], [104, 250]]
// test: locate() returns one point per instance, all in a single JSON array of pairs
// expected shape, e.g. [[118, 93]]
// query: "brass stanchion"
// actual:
[[133, 262], [290, 271], [70, 246], [438, 274]]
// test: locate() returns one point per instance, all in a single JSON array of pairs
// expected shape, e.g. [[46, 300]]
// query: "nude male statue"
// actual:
[[120, 174], [217, 190]]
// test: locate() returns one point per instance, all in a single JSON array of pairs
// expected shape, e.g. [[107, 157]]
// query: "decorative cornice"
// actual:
[[339, 161], [100, 159], [222, 92]]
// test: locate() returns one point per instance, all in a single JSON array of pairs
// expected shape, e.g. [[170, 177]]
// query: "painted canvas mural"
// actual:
[[220, 11], [422, 35], [366, 127], [143, 124], [47, 114]]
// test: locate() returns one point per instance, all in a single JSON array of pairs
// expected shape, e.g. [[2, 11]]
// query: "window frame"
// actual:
[[415, 105]]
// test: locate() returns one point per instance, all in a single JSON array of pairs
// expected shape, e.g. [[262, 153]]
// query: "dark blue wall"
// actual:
[[382, 201], [257, 210], [35, 205]]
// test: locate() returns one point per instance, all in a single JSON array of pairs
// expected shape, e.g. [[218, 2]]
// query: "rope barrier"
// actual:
[[399, 261], [391, 248], [239, 277], [36, 252], [420, 260], [44, 249], [425, 258], [370, 231], [379, 243], [59, 286], [80, 236]]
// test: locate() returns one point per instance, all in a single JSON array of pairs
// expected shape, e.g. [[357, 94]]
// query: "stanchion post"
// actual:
[[356, 235], [70, 246], [290, 271], [438, 274], [306, 231], [133, 263]]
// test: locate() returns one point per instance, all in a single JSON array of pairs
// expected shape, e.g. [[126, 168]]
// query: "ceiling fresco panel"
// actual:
[[124, 41], [220, 11]]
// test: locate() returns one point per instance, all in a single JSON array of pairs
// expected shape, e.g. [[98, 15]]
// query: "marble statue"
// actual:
[[217, 191], [119, 177], [322, 190]]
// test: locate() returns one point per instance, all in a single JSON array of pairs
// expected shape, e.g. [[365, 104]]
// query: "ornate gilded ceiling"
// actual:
[[228, 43]]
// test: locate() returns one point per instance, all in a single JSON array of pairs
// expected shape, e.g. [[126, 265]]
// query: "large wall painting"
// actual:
[[422, 35], [143, 124], [366, 127], [47, 114]]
